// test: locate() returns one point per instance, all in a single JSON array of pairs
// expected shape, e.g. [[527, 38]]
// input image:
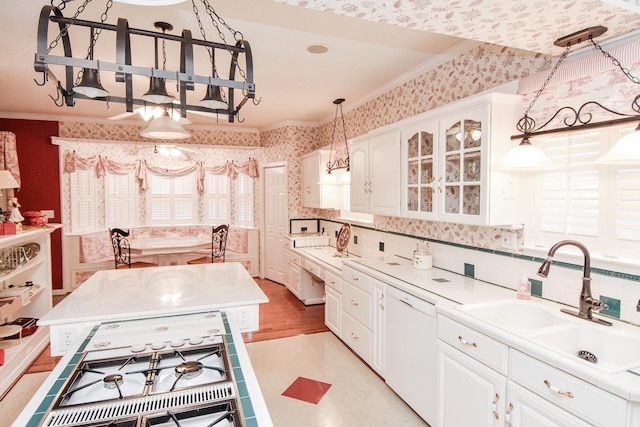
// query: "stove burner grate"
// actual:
[[188, 370], [112, 381]]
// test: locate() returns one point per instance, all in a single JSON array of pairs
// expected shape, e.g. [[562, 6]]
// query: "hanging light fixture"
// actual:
[[338, 159], [90, 85], [225, 95], [526, 157], [157, 93], [164, 127], [214, 98]]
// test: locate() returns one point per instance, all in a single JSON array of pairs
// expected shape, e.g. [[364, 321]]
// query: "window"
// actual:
[[244, 200], [83, 202], [217, 199], [121, 200], [595, 204], [172, 200]]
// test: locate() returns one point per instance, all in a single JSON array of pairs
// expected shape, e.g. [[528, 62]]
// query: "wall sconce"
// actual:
[[526, 157], [339, 160], [240, 79]]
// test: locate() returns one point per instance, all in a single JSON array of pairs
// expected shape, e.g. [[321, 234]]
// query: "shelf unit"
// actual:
[[31, 301]]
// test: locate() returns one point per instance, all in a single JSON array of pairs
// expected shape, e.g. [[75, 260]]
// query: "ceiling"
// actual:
[[373, 46]]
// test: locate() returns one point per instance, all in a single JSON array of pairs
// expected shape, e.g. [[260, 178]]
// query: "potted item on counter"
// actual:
[[36, 218]]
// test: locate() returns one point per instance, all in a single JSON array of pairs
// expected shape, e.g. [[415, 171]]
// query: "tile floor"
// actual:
[[348, 393], [356, 396]]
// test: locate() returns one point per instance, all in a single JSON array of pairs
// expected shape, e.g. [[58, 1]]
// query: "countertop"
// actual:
[[146, 292], [450, 291]]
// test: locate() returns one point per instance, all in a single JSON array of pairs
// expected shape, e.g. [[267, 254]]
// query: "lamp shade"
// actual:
[[625, 152], [164, 127], [526, 157], [7, 180], [157, 93], [90, 85], [213, 99]]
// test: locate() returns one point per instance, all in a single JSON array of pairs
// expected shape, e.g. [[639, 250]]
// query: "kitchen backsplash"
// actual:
[[465, 249]]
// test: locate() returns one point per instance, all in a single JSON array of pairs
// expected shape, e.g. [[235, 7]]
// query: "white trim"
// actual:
[[55, 140]]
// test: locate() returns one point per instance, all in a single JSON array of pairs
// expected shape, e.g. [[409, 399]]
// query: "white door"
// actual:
[[276, 217]]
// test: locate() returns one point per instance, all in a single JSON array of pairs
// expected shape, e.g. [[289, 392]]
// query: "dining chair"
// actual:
[[122, 250], [218, 246]]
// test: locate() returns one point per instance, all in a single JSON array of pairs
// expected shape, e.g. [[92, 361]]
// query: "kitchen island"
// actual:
[[151, 292]]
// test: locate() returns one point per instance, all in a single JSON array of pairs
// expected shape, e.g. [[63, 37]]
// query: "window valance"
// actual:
[[102, 165]]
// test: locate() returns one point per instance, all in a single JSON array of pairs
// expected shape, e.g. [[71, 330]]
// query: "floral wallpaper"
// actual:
[[527, 25]]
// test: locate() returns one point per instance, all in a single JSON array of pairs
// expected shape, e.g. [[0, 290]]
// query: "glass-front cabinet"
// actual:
[[447, 160]]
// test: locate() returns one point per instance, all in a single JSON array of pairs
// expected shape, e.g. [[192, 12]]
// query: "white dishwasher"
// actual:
[[410, 351]]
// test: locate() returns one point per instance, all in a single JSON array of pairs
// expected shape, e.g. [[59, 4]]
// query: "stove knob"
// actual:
[[138, 348], [178, 342], [158, 345], [195, 340]]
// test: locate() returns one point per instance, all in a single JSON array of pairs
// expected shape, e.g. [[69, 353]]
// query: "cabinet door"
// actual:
[[526, 409], [333, 310], [463, 164], [469, 393], [419, 182], [359, 167], [384, 174], [378, 331], [310, 173]]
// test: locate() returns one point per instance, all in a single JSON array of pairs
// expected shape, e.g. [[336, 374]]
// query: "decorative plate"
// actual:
[[343, 238], [31, 250]]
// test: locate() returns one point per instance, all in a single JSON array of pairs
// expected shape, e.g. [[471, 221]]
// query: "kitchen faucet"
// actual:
[[587, 303]]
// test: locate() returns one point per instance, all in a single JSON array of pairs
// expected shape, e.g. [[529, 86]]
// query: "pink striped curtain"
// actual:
[[9, 159]]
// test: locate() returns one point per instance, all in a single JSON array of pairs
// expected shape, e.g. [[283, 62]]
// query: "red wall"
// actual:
[[40, 177]]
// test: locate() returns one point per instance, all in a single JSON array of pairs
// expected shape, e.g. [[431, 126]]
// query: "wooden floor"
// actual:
[[284, 316]]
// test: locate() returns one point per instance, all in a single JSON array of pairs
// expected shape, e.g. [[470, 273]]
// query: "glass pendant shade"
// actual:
[[157, 93], [90, 85], [525, 157], [625, 152], [213, 99], [164, 127]]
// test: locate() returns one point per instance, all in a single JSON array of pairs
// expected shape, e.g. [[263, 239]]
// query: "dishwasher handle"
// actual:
[[412, 301]]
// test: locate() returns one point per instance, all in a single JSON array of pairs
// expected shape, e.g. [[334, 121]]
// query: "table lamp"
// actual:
[[7, 181]]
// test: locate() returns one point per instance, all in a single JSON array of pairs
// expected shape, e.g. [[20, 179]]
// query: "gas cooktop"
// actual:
[[169, 371]]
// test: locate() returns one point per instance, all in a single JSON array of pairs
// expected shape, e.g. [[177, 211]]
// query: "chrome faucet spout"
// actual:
[[587, 304]]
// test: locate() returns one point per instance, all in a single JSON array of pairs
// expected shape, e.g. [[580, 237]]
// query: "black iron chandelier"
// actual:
[[86, 83]]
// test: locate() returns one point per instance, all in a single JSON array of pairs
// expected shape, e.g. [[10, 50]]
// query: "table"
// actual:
[[168, 249], [151, 292]]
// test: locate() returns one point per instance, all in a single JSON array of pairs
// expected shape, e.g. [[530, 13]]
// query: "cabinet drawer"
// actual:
[[357, 303], [590, 403], [294, 259], [332, 280], [356, 278], [476, 344], [356, 336], [311, 267]]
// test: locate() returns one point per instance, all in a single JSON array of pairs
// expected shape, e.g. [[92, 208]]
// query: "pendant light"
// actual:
[[90, 85], [627, 150], [157, 93], [214, 98], [164, 127]]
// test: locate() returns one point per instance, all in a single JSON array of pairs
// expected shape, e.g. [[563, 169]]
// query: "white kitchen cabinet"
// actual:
[[410, 351], [375, 174], [568, 393], [357, 312], [526, 409], [469, 393], [378, 326], [292, 272], [333, 302], [314, 194], [447, 161], [30, 253]]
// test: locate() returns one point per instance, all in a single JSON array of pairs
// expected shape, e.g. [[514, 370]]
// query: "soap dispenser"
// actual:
[[524, 289]]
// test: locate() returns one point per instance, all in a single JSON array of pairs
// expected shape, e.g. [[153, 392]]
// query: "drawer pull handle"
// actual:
[[355, 337], [354, 303], [355, 279], [557, 390], [465, 342], [507, 417], [494, 407]]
